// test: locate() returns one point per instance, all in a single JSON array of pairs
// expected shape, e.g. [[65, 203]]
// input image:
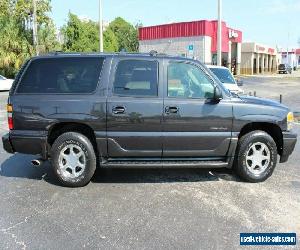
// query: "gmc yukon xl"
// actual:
[[122, 110]]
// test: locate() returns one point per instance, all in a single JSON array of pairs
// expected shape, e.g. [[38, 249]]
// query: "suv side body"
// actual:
[[141, 122]]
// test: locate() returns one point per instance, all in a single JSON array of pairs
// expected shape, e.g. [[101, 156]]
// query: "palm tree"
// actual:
[[14, 46]]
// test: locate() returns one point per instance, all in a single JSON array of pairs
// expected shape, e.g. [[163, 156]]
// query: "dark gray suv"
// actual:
[[140, 110]]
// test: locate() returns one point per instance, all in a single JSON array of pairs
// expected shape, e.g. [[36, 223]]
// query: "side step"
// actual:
[[164, 164]]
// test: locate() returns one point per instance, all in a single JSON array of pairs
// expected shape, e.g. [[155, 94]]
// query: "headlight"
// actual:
[[290, 120]]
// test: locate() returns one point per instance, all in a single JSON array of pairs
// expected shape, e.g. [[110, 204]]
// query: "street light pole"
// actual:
[[100, 26], [34, 29], [219, 42]]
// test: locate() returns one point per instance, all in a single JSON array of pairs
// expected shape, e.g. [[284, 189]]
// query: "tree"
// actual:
[[16, 32], [110, 41], [83, 36], [24, 10], [126, 34], [80, 35], [48, 38], [14, 47]]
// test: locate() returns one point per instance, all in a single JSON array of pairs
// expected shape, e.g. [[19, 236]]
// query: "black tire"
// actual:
[[80, 143], [244, 145]]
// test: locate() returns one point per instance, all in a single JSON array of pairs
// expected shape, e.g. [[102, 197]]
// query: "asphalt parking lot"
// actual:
[[149, 209]]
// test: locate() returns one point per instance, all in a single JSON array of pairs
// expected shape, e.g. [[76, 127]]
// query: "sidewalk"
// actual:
[[273, 75]]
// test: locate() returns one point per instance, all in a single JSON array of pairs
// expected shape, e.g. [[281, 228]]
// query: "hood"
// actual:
[[262, 101], [233, 88]]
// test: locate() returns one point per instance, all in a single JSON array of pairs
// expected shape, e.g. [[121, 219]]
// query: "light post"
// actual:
[[34, 28], [100, 26], [219, 36]]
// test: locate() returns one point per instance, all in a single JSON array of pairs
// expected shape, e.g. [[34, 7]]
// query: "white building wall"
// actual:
[[290, 59], [179, 47]]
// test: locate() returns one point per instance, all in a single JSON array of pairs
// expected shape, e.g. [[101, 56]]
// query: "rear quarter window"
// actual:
[[136, 78], [61, 75]]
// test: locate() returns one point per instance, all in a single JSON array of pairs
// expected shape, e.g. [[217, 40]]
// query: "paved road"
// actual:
[[147, 209]]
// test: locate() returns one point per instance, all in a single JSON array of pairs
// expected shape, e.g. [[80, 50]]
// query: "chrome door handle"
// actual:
[[171, 110], [118, 110]]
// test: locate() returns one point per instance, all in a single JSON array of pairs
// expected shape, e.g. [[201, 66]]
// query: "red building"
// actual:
[[197, 39]]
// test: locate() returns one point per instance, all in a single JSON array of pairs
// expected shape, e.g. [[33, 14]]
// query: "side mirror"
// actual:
[[217, 94], [239, 82]]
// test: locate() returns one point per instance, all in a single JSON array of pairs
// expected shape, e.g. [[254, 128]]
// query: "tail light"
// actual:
[[9, 109]]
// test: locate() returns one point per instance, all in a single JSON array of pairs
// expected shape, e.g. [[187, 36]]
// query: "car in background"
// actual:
[[5, 84], [226, 77], [284, 68]]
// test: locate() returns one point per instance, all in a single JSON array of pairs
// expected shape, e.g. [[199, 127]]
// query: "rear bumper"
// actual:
[[26, 142], [7, 145], [289, 142]]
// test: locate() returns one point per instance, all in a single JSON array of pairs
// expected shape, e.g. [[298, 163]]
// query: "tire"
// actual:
[[249, 157], [73, 159]]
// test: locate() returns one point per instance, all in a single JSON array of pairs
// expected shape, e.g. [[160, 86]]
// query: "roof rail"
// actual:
[[153, 53]]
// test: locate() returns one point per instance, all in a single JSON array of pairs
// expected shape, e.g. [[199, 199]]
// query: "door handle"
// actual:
[[171, 110], [118, 110]]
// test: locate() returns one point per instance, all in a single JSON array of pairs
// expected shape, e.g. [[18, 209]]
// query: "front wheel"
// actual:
[[73, 159], [256, 156]]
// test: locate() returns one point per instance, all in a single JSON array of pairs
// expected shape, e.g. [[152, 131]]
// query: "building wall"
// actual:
[[247, 63], [257, 58], [179, 47]]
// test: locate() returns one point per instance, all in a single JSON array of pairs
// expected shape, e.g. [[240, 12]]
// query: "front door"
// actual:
[[134, 109], [193, 125]]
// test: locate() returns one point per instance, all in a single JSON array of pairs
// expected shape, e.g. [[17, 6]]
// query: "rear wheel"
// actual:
[[73, 159], [256, 156]]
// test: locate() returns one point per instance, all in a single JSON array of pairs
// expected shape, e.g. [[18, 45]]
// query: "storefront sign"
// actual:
[[232, 34]]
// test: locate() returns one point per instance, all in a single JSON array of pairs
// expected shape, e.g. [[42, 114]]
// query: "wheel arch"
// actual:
[[270, 128], [58, 129]]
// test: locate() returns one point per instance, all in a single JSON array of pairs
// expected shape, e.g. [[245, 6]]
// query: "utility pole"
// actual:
[[219, 36], [34, 28], [100, 26]]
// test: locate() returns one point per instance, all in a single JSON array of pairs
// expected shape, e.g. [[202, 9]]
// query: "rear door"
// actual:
[[193, 125], [134, 108]]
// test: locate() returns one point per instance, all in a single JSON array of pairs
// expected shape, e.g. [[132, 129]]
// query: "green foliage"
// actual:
[[80, 36], [14, 47], [83, 36], [110, 41], [126, 35], [16, 32], [23, 9], [48, 38]]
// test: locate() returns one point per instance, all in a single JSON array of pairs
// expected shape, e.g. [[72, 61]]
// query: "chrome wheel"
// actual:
[[72, 161], [258, 158]]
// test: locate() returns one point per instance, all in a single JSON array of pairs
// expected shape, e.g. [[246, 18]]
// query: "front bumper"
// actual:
[[289, 142]]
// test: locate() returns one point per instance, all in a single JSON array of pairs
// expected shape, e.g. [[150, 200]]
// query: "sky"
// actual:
[[269, 22]]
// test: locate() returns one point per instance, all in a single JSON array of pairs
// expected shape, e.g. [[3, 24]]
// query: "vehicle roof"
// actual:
[[215, 67], [118, 54]]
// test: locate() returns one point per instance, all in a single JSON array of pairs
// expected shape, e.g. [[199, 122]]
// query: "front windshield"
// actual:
[[224, 75]]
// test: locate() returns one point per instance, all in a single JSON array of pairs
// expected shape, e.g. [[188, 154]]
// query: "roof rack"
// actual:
[[155, 53]]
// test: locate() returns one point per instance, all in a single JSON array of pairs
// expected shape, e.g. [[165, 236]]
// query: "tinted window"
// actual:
[[188, 81], [282, 66], [136, 78], [224, 75], [62, 75]]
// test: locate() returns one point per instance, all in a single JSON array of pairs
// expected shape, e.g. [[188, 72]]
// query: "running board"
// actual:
[[164, 164]]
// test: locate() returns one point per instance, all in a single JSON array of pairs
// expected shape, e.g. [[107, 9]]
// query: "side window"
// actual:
[[68, 75], [136, 78], [188, 81]]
